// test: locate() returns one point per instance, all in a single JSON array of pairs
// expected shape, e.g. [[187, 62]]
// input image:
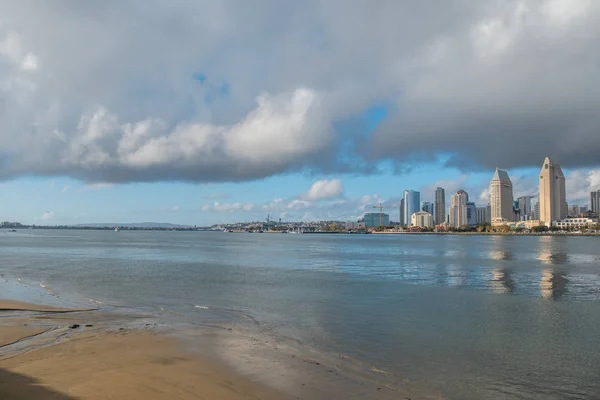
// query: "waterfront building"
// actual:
[[372, 220], [471, 213], [439, 212], [536, 211], [421, 219], [428, 207], [483, 215], [501, 195], [412, 204], [458, 209], [595, 201], [553, 203], [525, 207], [575, 223], [402, 218]]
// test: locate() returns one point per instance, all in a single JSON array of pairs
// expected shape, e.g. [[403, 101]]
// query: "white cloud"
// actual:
[[98, 186], [325, 189], [48, 215], [65, 189], [228, 207]]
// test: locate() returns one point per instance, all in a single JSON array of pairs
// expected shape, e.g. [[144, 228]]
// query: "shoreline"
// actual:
[[62, 353]]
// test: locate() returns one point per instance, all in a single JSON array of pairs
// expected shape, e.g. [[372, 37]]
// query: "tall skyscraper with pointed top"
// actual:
[[501, 196], [553, 196]]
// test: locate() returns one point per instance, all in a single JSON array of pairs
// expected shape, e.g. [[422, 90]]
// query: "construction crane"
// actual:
[[381, 207]]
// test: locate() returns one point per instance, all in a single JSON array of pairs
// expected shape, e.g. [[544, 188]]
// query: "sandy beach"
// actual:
[[61, 354]]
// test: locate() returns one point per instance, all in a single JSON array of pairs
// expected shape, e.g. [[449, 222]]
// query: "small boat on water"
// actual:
[[117, 229]]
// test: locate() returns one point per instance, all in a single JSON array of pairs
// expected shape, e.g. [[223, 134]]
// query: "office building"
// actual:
[[374, 220], [525, 207], [402, 218], [516, 211], [574, 211], [439, 205], [484, 215], [536, 211], [412, 204], [501, 195], [595, 202], [421, 219], [458, 209], [471, 213], [428, 207], [553, 203]]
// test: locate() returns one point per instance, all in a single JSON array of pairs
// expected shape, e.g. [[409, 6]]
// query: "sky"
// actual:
[[199, 112]]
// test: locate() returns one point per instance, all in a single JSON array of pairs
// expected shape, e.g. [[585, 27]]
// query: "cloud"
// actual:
[[325, 189], [213, 91], [228, 207], [48, 215], [65, 189], [98, 186], [580, 183]]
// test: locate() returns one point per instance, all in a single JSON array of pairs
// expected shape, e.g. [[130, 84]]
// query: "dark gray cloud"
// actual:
[[105, 92]]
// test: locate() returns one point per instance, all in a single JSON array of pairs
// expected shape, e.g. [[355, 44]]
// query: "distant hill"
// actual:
[[134, 225]]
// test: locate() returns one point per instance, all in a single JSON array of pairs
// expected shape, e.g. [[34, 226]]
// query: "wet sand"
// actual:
[[47, 353]]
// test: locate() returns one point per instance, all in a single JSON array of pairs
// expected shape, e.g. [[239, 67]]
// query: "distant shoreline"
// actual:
[[488, 233]]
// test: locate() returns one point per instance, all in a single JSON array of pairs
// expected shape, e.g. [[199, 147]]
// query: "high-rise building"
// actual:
[[516, 211], [439, 212], [484, 215], [458, 209], [374, 220], [501, 195], [553, 202], [525, 206], [595, 201], [471, 213], [536, 211], [421, 219], [574, 211], [427, 207], [412, 204], [402, 217]]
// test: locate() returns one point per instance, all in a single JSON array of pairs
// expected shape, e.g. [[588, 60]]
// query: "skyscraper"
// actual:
[[427, 207], [458, 209], [553, 203], [471, 213], [402, 217], [483, 215], [412, 204], [525, 207], [595, 201], [501, 196], [439, 212]]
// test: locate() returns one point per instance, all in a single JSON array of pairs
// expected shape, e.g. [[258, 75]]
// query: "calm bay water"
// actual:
[[471, 316]]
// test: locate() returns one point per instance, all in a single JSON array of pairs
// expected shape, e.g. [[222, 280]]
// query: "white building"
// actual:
[[501, 196], [553, 203], [458, 209], [575, 223], [422, 219]]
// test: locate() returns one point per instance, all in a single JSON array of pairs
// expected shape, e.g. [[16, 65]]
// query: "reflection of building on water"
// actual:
[[552, 284], [548, 256], [502, 282], [500, 255]]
